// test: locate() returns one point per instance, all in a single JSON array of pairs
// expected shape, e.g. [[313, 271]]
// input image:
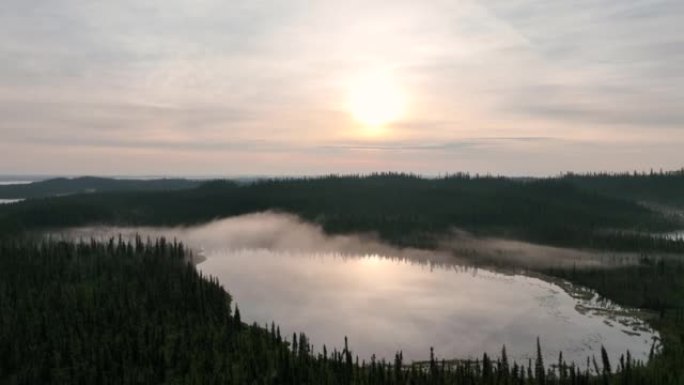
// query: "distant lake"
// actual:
[[8, 201], [385, 299]]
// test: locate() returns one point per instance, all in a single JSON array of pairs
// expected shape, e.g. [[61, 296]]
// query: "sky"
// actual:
[[248, 87]]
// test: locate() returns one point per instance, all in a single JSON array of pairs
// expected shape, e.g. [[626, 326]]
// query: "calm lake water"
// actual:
[[385, 305], [278, 268]]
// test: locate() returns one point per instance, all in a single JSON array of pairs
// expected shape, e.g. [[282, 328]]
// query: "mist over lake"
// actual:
[[385, 300], [9, 201]]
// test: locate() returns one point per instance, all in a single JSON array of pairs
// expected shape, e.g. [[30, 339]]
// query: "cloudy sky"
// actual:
[[215, 87]]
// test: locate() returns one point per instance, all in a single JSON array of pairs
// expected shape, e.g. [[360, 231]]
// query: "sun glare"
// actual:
[[376, 99]]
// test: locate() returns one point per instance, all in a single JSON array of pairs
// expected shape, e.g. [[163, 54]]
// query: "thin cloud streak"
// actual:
[[274, 146]]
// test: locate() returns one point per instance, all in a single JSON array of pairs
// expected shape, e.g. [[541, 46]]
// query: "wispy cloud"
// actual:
[[492, 83]]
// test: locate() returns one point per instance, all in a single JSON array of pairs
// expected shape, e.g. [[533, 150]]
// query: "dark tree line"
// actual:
[[659, 187], [123, 313], [90, 184], [403, 209]]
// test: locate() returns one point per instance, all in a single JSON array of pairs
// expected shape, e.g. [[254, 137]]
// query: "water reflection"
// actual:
[[385, 305], [281, 269]]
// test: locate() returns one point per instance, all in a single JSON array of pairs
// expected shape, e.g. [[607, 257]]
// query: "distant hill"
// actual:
[[406, 210], [657, 188], [88, 184]]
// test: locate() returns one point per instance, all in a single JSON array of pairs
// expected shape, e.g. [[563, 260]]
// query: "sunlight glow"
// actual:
[[376, 99]]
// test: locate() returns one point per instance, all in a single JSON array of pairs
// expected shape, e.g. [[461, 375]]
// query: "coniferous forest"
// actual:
[[139, 312], [403, 209], [443, 192], [130, 313]]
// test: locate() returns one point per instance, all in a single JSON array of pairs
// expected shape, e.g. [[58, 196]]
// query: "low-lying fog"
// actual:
[[675, 235], [279, 268], [9, 201]]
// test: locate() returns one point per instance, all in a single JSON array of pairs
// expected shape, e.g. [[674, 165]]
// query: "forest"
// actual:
[[81, 185], [403, 209], [138, 312], [661, 187]]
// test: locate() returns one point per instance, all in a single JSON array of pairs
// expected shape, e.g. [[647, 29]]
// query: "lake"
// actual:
[[280, 269], [385, 305], [9, 201]]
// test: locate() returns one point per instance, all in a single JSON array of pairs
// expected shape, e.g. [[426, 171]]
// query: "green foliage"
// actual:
[[665, 188], [138, 313], [403, 209], [117, 312]]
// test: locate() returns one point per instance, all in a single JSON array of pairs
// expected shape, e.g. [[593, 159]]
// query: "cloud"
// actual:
[[240, 76]]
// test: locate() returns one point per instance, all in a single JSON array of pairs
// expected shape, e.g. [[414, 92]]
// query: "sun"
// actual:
[[376, 99]]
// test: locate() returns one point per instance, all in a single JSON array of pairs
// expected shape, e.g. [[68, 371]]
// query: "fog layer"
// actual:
[[288, 233]]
